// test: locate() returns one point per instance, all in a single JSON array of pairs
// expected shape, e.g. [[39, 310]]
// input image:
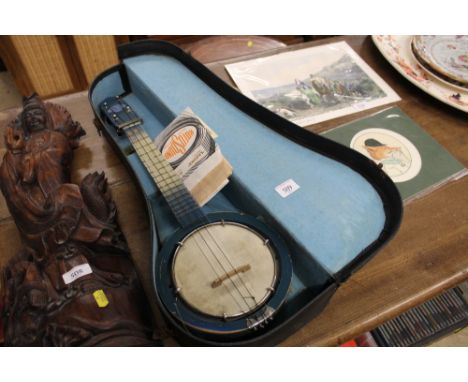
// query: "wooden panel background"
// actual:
[[96, 53], [56, 65], [42, 59]]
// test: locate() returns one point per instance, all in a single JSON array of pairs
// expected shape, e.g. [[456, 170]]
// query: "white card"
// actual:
[[76, 272], [287, 188]]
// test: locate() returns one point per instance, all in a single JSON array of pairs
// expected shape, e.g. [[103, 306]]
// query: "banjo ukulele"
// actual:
[[220, 274]]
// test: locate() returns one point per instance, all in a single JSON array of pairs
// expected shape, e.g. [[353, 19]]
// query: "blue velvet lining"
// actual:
[[334, 215], [108, 85]]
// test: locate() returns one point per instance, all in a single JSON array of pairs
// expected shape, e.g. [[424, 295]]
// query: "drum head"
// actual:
[[224, 269]]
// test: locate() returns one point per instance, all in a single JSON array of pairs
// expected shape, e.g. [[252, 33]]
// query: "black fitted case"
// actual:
[[358, 207]]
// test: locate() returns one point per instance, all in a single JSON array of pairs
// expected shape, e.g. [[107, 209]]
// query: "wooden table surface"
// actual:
[[428, 255], [217, 48]]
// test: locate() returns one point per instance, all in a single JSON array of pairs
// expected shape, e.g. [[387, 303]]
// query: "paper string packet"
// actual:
[[188, 144]]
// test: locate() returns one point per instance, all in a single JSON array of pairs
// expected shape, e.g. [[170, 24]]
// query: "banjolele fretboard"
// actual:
[[180, 200]]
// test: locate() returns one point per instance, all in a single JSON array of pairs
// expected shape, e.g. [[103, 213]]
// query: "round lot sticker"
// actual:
[[394, 153]]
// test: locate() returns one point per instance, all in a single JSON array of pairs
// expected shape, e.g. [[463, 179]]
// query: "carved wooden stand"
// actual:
[[73, 282]]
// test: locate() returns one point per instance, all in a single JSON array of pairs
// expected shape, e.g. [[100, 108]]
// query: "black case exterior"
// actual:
[[369, 170]]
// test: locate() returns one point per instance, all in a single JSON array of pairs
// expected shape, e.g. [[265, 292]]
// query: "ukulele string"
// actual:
[[217, 275], [136, 134], [244, 284], [196, 122], [139, 135], [234, 273]]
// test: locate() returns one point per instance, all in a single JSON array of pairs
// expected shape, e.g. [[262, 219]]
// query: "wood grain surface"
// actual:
[[217, 48], [428, 255]]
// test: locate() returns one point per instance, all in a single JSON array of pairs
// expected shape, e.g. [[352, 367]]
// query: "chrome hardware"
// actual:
[[259, 319]]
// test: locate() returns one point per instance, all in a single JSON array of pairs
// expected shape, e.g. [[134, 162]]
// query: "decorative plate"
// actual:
[[397, 51], [438, 76], [447, 55]]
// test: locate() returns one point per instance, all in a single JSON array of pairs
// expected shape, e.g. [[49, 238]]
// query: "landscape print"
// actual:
[[312, 85], [336, 86]]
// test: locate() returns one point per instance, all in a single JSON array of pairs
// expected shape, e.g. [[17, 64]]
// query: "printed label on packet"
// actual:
[[76, 272], [287, 188]]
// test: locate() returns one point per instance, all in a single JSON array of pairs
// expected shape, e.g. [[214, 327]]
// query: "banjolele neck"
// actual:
[[180, 200], [218, 275]]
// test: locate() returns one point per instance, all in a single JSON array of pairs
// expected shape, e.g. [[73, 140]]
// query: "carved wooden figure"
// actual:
[[73, 282]]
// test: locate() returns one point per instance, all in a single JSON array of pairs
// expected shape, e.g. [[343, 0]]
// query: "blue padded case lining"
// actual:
[[334, 217], [335, 213]]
